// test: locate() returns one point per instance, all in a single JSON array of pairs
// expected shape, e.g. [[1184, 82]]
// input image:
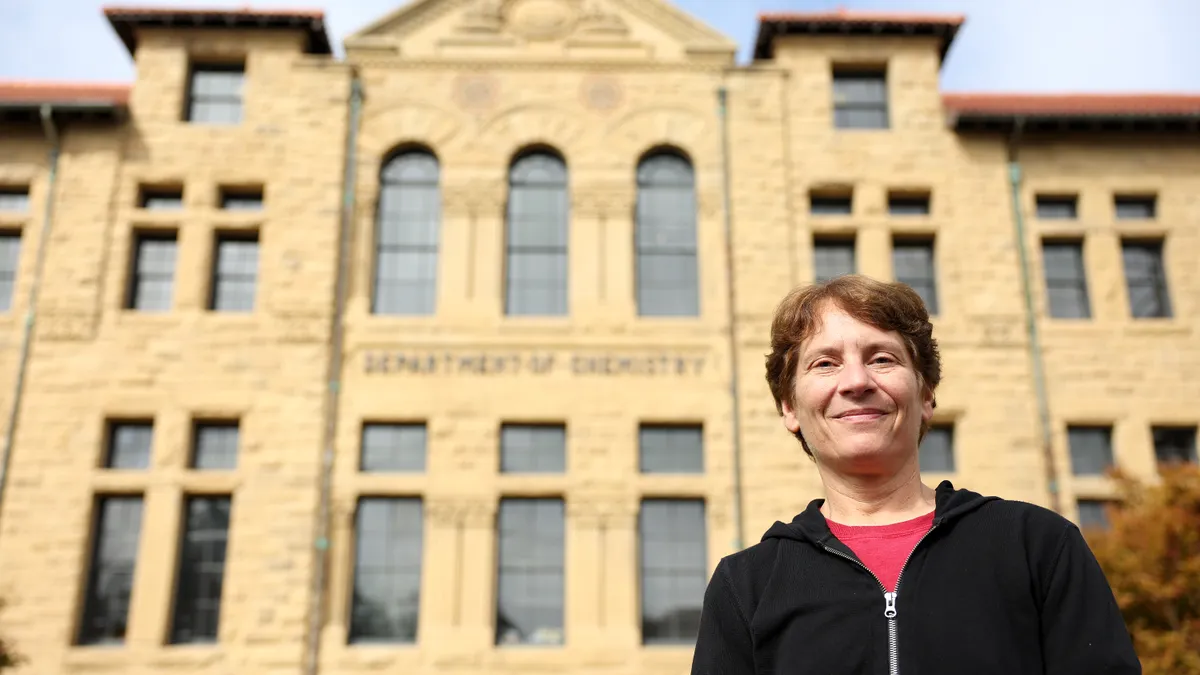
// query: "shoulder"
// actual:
[[1036, 531], [1030, 517]]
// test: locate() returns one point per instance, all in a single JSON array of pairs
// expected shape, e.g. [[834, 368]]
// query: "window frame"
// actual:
[[1048, 201], [178, 607], [228, 236], [1157, 280], [425, 187], [356, 571], [689, 306], [822, 241], [560, 563], [138, 238], [950, 428], [1080, 285], [82, 637], [551, 251], [700, 566], [10, 238], [924, 243], [214, 66], [876, 74], [1104, 429]]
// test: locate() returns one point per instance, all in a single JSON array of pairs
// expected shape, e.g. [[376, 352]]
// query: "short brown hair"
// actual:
[[886, 306]]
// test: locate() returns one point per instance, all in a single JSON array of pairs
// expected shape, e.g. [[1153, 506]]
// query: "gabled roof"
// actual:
[[997, 111], [23, 100], [126, 20], [842, 22]]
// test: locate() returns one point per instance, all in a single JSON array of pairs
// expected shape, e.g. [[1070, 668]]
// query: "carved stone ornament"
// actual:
[[542, 19], [483, 16], [602, 93], [476, 92], [597, 22]]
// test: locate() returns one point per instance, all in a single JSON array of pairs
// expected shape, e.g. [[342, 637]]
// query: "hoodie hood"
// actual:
[[810, 525]]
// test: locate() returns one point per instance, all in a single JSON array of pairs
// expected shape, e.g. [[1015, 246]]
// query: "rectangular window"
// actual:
[[1146, 279], [1175, 444], [201, 570], [908, 205], [129, 445], [10, 258], [1093, 514], [860, 99], [674, 569], [533, 448], [215, 94], [1091, 450], [1135, 208], [912, 263], [671, 449], [393, 447], [152, 281], [531, 576], [830, 205], [1066, 280], [1051, 207], [387, 570], [937, 450], [241, 199], [215, 446], [115, 532], [14, 199], [160, 199], [235, 273], [833, 257]]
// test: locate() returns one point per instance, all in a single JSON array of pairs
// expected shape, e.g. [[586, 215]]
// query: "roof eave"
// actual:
[[770, 29], [126, 23], [964, 121]]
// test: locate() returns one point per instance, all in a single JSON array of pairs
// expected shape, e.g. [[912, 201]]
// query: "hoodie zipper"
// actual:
[[889, 602]]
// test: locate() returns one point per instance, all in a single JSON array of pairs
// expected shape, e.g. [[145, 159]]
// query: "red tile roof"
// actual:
[[858, 17], [1058, 105], [26, 92], [846, 22], [125, 20]]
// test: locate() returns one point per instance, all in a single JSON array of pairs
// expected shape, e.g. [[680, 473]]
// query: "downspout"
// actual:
[[334, 377], [14, 408], [731, 318], [1031, 324]]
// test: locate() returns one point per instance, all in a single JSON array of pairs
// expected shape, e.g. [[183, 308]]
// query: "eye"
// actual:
[[883, 358], [823, 363]]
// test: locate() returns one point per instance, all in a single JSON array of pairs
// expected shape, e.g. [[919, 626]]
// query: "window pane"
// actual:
[[1091, 450], [664, 449], [860, 118], [1135, 208], [1066, 283], [912, 262], [215, 446], [387, 570], [409, 218], [833, 258], [937, 450], [531, 575], [829, 206], [537, 283], [667, 279], [10, 257], [14, 199], [201, 570], [241, 201], [536, 266], [117, 528], [1092, 514], [668, 284], [236, 274], [1175, 444], [153, 273], [1056, 208], [393, 447], [673, 565], [1146, 280], [129, 445], [216, 95], [533, 449], [908, 206], [161, 200]]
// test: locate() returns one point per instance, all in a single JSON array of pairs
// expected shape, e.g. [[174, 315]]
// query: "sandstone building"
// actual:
[[447, 356]]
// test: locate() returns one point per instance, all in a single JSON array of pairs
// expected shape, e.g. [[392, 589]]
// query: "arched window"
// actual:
[[536, 244], [406, 234], [665, 238]]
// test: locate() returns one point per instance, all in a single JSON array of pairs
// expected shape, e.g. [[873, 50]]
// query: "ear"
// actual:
[[789, 417], [927, 405]]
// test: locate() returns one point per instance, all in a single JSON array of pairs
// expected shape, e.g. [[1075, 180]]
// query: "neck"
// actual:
[[876, 499]]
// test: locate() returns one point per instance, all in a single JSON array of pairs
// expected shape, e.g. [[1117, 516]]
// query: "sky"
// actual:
[[1005, 45]]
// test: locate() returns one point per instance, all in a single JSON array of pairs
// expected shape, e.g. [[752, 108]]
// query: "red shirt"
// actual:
[[883, 548]]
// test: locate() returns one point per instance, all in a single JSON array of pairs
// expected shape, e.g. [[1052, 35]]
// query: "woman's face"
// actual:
[[858, 400]]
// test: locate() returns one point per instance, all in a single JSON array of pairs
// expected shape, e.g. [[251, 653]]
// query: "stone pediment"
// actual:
[[590, 30]]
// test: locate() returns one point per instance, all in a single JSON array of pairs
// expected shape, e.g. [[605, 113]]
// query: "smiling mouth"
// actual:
[[860, 415]]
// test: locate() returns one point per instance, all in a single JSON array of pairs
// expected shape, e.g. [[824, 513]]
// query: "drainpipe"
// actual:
[[731, 318], [1031, 324], [333, 395], [14, 408]]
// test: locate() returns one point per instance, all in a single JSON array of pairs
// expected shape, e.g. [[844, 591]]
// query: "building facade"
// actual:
[[448, 355]]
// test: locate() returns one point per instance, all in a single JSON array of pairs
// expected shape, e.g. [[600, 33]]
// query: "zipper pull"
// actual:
[[889, 607]]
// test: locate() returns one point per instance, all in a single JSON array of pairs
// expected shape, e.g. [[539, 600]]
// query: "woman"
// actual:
[[885, 574]]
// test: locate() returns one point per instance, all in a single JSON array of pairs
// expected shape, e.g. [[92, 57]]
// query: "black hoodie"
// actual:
[[996, 587]]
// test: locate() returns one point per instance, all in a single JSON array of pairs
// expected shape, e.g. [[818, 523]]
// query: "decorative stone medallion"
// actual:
[[476, 92], [602, 93], [542, 19]]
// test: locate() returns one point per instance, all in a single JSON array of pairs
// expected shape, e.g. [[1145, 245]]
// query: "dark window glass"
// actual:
[[824, 205], [387, 570], [1091, 450], [937, 450], [1093, 514], [241, 200], [215, 446], [215, 95], [10, 258], [671, 449], [1146, 279], [201, 570], [152, 283], [908, 205], [406, 246], [14, 199], [393, 447], [860, 100], [115, 533], [161, 199], [1066, 280], [538, 213], [235, 273], [674, 564], [912, 261], [1175, 444], [531, 575], [668, 282], [129, 445], [533, 448], [1056, 208], [1135, 208], [833, 257]]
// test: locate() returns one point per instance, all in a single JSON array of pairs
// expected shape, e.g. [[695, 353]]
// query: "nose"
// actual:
[[855, 380]]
